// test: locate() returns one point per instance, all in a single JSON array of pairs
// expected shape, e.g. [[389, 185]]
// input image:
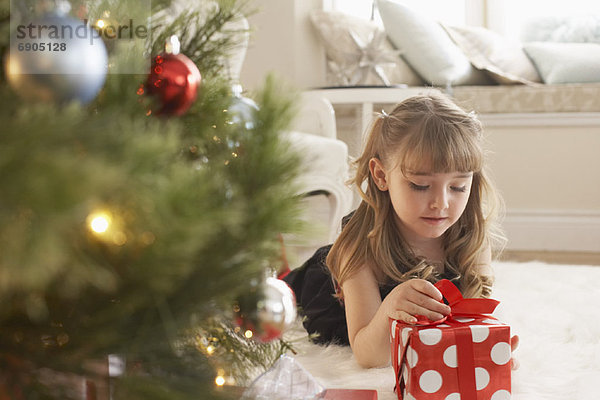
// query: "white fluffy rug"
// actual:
[[555, 310]]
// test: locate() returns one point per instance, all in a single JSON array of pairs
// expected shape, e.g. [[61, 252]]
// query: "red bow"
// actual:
[[460, 307]]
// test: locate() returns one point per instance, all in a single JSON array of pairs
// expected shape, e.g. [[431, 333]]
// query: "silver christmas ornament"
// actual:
[[266, 314], [56, 58], [277, 311], [241, 109]]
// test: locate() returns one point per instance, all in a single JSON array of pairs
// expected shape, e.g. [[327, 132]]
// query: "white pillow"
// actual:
[[565, 62], [343, 35], [502, 58], [427, 47], [571, 29]]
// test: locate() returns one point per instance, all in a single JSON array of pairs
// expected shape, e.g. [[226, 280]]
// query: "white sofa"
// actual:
[[323, 176]]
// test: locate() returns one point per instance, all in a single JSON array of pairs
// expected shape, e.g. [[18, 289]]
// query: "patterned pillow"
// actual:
[[358, 52], [503, 59]]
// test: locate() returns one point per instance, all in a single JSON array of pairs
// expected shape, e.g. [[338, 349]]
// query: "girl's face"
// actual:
[[426, 204]]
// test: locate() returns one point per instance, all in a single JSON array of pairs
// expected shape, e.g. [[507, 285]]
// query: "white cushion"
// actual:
[[427, 47], [324, 161], [565, 62], [502, 58]]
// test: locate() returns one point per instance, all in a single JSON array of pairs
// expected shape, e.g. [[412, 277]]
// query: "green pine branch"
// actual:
[[194, 206]]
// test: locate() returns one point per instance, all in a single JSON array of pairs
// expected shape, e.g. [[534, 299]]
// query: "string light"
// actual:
[[99, 222], [103, 225], [248, 334], [147, 238], [119, 238], [220, 378]]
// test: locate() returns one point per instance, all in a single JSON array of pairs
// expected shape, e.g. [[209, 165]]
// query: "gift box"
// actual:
[[464, 356]]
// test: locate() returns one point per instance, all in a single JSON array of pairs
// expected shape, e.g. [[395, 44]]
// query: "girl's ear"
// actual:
[[378, 173]]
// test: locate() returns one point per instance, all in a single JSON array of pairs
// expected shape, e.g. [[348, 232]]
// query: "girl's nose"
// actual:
[[439, 200]]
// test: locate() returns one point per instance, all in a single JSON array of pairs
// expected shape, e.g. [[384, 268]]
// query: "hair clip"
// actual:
[[384, 114]]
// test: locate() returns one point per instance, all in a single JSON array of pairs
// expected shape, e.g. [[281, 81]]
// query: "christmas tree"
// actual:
[[136, 215]]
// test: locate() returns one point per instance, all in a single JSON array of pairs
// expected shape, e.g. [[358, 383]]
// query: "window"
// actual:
[[509, 16], [503, 16], [448, 11]]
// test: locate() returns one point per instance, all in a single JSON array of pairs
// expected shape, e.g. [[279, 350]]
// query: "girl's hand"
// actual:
[[514, 343], [415, 297]]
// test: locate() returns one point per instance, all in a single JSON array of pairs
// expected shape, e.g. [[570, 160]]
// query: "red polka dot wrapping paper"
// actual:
[[425, 359]]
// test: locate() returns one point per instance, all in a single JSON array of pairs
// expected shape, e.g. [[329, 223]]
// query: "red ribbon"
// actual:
[[460, 307]]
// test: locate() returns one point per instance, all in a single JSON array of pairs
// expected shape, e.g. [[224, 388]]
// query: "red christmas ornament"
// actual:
[[175, 80]]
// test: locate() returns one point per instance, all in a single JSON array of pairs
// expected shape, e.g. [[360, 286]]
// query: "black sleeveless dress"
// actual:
[[314, 288]]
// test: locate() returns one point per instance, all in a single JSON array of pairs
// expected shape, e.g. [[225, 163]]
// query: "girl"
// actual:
[[428, 212]]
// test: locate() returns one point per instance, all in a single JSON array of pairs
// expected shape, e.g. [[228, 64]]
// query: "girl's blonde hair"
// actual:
[[426, 130]]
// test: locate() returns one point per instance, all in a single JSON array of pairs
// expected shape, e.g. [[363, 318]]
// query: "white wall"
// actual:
[[283, 42], [548, 170]]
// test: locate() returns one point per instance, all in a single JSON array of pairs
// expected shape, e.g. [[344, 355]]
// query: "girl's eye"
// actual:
[[414, 186], [461, 189]]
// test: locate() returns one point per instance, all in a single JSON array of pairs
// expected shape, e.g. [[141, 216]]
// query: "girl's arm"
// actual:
[[368, 316]]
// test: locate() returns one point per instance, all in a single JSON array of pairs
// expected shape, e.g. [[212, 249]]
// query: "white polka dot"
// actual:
[[405, 374], [405, 334], [500, 353], [430, 381], [443, 326], [394, 323], [501, 395], [479, 333], [463, 320], [482, 378], [411, 357], [453, 396], [450, 356], [430, 336]]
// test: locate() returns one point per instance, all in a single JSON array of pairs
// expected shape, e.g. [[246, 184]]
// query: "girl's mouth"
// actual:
[[434, 220]]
